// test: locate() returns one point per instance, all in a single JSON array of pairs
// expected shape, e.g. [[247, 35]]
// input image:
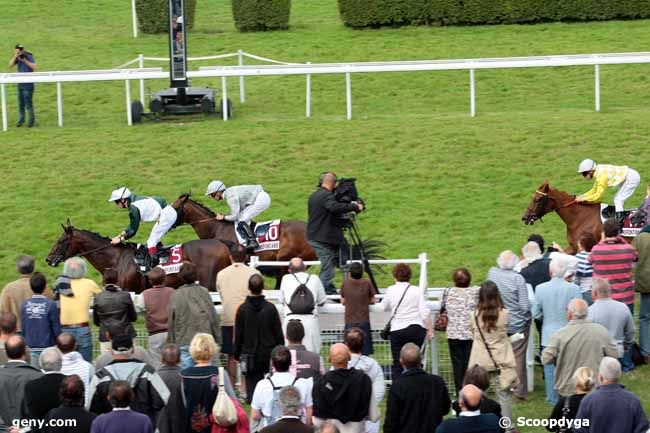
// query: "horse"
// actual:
[[209, 256], [578, 217], [293, 234]]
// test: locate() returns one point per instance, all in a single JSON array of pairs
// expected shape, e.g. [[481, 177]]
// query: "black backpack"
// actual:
[[302, 300]]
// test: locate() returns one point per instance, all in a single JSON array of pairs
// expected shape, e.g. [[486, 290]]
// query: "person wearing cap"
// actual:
[[245, 203], [150, 392], [144, 208], [25, 63], [621, 176]]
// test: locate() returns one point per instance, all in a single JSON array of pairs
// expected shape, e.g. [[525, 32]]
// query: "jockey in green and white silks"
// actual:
[[245, 203], [143, 208]]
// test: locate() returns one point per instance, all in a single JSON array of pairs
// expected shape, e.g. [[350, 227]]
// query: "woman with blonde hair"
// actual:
[[567, 407]]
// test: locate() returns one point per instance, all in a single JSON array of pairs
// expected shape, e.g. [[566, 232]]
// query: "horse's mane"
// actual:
[[202, 206], [99, 237]]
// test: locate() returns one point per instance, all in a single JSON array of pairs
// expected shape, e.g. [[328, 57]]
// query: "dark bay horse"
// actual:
[[578, 217], [209, 256]]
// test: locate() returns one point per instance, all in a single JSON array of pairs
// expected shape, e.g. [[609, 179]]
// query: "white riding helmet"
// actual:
[[215, 186], [119, 194], [586, 165]]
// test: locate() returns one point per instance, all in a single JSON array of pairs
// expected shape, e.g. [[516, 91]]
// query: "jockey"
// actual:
[[625, 178], [142, 208], [245, 203]]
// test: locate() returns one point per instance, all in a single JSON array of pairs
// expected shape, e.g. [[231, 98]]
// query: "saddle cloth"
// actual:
[[267, 233], [635, 219], [171, 258]]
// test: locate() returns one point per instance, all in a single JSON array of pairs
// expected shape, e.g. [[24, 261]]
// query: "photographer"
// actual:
[[324, 226], [25, 62]]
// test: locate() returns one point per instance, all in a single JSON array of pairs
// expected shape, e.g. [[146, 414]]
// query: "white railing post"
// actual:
[[242, 95], [253, 262], [224, 99], [141, 64], [59, 103], [134, 18], [129, 120], [597, 86], [308, 95], [472, 94], [348, 95], [530, 358], [434, 347], [3, 96], [424, 261]]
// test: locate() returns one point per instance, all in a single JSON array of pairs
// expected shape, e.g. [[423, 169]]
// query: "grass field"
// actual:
[[434, 179]]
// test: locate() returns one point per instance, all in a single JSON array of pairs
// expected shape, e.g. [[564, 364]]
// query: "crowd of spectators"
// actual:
[[273, 357]]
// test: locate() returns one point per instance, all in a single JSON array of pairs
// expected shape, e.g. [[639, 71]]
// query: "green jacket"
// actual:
[[142, 208], [642, 272]]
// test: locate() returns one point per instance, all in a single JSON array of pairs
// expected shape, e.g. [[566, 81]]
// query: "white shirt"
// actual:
[[263, 395], [291, 281], [413, 309]]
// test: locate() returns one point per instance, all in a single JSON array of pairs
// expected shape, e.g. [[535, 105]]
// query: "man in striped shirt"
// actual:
[[612, 260]]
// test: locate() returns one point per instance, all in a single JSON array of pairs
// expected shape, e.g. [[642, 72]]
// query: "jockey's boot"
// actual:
[[152, 258], [620, 217], [247, 233]]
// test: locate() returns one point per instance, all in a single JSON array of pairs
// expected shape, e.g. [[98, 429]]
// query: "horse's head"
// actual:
[[64, 248], [538, 206]]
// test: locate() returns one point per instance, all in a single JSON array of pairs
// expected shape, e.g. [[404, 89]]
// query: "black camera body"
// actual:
[[346, 192]]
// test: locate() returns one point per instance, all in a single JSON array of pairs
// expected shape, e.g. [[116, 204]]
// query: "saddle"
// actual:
[[267, 234], [145, 262], [633, 222]]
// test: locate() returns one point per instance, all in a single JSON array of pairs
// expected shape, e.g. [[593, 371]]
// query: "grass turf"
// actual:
[[434, 179]]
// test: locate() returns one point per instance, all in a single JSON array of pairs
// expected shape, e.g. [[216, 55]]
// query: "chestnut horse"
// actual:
[[209, 256], [578, 217]]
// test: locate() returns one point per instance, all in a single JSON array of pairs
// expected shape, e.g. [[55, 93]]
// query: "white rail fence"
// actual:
[[307, 69]]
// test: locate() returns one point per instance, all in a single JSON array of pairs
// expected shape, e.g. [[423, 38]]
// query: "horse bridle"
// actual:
[[544, 201]]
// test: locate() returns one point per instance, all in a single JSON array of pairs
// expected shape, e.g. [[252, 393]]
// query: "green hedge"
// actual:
[[375, 13], [261, 15], [153, 15]]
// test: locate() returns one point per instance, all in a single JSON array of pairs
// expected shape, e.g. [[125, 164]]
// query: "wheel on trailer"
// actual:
[[207, 105], [156, 105], [229, 105], [136, 111]]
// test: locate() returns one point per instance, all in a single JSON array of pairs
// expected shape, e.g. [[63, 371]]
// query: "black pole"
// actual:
[[356, 239]]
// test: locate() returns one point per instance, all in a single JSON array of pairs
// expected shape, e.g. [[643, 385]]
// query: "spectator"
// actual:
[[232, 285], [567, 407], [264, 408], [642, 285], [73, 362], [150, 392], [539, 240], [343, 395], [417, 401], [411, 321], [71, 394], [578, 344], [304, 364], [353, 338], [113, 306], [200, 385], [460, 301], [471, 420], [122, 419], [328, 427], [74, 309], [551, 302], [139, 353], [612, 259], [42, 394], [585, 271], [513, 291], [536, 270], [492, 349], [190, 312], [7, 329], [288, 286], [14, 376], [155, 303], [170, 370], [15, 293], [611, 408], [479, 377], [290, 402], [357, 294], [170, 373], [40, 319], [257, 331], [616, 318], [25, 63], [324, 227]]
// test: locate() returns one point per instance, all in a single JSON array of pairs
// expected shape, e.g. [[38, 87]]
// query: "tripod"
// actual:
[[351, 233]]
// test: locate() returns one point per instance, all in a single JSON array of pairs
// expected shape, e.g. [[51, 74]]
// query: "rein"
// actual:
[[94, 250], [203, 220]]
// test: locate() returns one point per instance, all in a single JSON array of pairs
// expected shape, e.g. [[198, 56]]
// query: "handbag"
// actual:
[[385, 333], [442, 320], [224, 410]]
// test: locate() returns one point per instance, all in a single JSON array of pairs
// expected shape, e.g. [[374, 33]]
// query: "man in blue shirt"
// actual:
[[40, 317], [25, 62]]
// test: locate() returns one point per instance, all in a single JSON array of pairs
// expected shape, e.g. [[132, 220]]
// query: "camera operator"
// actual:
[[324, 232], [25, 62]]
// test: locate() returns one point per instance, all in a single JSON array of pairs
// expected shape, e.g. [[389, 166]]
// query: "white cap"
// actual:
[[586, 165], [215, 186], [119, 194]]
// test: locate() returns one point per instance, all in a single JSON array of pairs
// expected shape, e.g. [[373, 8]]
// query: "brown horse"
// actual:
[[293, 239], [209, 256], [578, 217]]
